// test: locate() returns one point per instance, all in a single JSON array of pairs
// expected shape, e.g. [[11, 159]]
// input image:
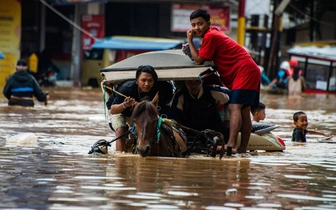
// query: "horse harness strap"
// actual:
[[158, 133], [164, 127], [168, 131], [132, 130], [158, 130]]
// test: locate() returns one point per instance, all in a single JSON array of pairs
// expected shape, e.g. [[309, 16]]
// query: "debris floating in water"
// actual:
[[22, 139]]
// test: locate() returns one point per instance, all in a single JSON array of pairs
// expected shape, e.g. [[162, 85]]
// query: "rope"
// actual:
[[104, 100], [104, 95], [106, 143], [112, 89], [68, 20]]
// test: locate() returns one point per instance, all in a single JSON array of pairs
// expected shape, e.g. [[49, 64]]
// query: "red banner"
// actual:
[[95, 25], [220, 17]]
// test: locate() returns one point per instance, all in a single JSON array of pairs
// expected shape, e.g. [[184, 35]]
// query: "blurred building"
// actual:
[[63, 28], [57, 26]]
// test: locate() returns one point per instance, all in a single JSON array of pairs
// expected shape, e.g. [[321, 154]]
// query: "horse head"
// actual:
[[145, 120]]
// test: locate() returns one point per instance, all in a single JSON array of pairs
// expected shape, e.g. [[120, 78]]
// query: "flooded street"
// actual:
[[58, 172]]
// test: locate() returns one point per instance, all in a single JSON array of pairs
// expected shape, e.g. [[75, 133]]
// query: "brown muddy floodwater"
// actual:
[[57, 173]]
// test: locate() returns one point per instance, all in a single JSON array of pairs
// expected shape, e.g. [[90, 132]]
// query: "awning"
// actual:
[[323, 53], [136, 43], [67, 2]]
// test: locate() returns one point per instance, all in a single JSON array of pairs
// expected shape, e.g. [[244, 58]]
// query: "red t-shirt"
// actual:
[[235, 65]]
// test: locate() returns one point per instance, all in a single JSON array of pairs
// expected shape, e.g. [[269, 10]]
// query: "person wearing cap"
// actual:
[[22, 86], [292, 63], [144, 87]]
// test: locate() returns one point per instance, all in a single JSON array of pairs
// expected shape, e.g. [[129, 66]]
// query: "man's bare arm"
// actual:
[[194, 52]]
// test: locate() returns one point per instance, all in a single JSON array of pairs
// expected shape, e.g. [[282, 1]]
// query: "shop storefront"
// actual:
[[319, 66], [57, 31]]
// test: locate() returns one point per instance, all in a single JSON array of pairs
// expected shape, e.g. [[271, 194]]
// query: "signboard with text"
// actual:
[[219, 17], [95, 25]]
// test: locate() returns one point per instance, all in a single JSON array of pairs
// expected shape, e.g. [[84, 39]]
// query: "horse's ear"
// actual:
[[155, 100]]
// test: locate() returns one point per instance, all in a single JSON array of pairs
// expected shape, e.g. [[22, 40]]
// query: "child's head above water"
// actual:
[[300, 120], [258, 113]]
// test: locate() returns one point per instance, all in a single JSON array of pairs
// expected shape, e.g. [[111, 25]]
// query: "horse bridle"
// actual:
[[158, 130], [157, 135]]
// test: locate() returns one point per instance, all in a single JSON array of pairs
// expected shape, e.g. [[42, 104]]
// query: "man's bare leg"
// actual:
[[245, 129], [120, 143], [235, 125]]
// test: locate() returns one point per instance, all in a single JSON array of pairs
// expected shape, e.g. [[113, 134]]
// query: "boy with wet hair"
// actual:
[[258, 113], [237, 70], [300, 131]]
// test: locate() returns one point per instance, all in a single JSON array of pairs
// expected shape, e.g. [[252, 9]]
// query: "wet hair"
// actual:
[[260, 107], [296, 115], [148, 69], [21, 62], [200, 13], [21, 65], [296, 73]]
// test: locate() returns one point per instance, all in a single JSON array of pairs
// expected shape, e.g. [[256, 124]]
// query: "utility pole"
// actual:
[[279, 7], [273, 52], [312, 24], [241, 23]]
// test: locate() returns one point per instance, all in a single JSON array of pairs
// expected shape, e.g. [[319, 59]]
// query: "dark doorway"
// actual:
[[133, 19]]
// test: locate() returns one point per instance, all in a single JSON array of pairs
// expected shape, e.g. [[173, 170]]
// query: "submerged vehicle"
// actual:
[[175, 65]]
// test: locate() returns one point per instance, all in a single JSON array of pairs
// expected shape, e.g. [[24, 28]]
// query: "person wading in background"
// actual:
[[22, 86]]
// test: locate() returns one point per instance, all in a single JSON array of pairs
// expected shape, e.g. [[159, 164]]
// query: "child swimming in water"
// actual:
[[300, 130]]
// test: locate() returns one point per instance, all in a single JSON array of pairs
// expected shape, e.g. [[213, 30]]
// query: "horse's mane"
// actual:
[[142, 107]]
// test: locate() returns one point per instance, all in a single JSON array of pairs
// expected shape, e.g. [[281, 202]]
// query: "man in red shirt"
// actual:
[[238, 72]]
